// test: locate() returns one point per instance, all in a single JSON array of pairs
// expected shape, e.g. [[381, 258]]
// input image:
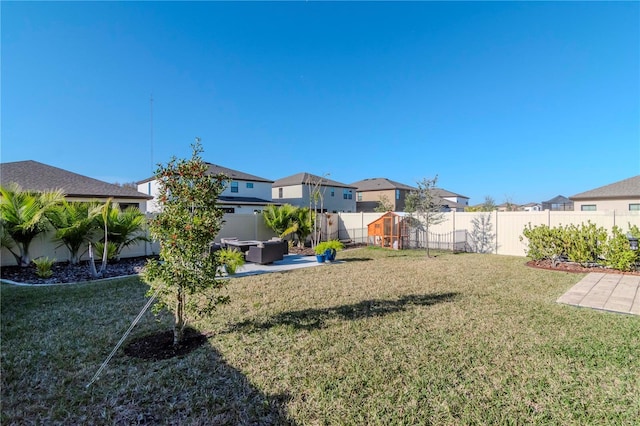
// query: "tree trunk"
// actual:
[[92, 265], [178, 328], [427, 238], [25, 259]]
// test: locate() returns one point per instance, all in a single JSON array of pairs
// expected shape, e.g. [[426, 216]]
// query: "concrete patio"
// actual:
[[290, 261], [609, 292]]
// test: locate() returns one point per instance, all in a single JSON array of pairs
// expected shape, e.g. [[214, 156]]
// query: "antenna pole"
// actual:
[[151, 130]]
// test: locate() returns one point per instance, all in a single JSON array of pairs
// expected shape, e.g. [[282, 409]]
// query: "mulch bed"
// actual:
[[64, 272], [157, 346], [575, 267]]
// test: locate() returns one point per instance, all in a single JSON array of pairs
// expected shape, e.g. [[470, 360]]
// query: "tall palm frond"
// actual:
[[23, 215], [75, 226], [123, 227], [279, 218]]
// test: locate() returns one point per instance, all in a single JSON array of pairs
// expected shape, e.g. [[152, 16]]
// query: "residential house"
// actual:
[[531, 207], [38, 177], [370, 192], [623, 195], [558, 203], [452, 201], [244, 193], [297, 190], [507, 207]]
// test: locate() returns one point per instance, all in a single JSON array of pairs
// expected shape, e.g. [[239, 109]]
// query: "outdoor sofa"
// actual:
[[267, 252]]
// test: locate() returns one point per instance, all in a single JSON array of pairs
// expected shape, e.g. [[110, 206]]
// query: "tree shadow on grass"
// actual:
[[356, 259], [225, 396], [311, 319]]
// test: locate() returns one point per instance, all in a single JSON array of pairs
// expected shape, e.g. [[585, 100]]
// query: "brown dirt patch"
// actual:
[[157, 346], [575, 268]]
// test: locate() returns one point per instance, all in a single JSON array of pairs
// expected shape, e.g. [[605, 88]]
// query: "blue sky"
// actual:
[[517, 100]]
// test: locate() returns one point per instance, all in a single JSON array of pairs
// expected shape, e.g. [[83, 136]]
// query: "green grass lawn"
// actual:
[[383, 338]]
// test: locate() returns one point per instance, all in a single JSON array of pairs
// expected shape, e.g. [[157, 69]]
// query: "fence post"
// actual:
[[497, 232]]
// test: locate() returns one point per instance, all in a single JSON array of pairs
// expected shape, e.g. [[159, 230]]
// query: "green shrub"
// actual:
[[231, 259], [618, 253], [331, 244], [545, 242], [584, 244], [43, 266]]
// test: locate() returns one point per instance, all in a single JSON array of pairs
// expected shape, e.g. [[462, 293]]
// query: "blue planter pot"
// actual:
[[320, 258], [330, 254]]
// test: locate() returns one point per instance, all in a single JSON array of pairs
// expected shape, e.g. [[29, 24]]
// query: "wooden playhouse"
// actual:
[[391, 230]]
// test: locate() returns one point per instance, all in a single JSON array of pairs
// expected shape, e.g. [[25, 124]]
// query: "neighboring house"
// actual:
[[559, 203], [38, 177], [531, 207], [507, 207], [623, 195], [370, 191], [297, 189], [244, 193], [452, 201]]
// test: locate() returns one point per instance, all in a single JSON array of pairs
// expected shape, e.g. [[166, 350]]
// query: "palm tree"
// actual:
[[75, 224], [23, 217], [123, 227], [300, 225], [279, 219]]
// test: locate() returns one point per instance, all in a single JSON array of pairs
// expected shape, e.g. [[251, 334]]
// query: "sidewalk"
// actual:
[[609, 292]]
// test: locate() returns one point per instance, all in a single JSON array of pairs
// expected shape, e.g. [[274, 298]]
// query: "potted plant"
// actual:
[[231, 259], [328, 249]]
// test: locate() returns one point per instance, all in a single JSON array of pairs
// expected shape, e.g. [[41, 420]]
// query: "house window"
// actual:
[[249, 185], [234, 186], [333, 192], [397, 194], [588, 207], [346, 194], [228, 209], [634, 207], [279, 192], [359, 196]]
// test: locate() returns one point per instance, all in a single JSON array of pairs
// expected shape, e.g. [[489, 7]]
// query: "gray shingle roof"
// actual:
[[304, 178], [444, 193], [225, 199], [627, 188], [558, 199], [380, 184], [39, 177], [215, 169]]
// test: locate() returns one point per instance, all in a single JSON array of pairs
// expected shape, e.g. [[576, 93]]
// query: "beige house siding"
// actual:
[[332, 197], [620, 205], [142, 204], [369, 197]]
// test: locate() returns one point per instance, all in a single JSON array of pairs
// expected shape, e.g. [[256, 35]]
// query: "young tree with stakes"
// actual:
[[186, 279], [426, 204]]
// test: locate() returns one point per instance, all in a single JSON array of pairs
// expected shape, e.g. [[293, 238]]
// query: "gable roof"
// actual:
[[38, 177], [214, 169], [304, 178], [627, 188], [444, 193], [380, 184], [558, 199]]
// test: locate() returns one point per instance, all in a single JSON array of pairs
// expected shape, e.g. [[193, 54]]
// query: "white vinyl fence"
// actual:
[[490, 232], [495, 232]]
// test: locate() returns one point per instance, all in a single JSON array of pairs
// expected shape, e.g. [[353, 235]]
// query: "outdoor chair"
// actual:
[[265, 252]]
